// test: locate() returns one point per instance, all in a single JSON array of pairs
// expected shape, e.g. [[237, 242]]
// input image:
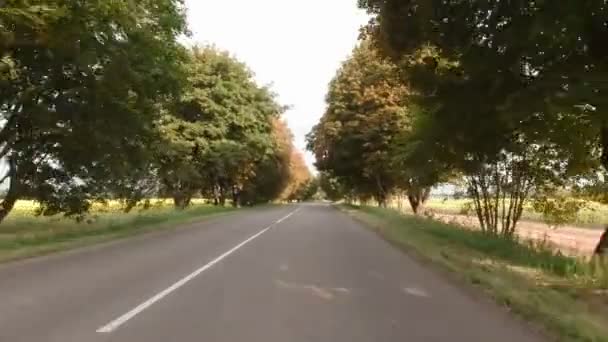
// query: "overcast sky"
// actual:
[[296, 46]]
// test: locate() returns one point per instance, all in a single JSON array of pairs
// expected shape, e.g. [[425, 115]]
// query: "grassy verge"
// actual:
[[566, 296], [28, 236]]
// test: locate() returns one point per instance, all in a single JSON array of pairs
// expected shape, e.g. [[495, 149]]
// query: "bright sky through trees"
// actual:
[[297, 46]]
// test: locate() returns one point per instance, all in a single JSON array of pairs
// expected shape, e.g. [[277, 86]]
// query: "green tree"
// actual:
[[218, 132], [308, 190], [79, 86], [507, 86], [416, 160], [272, 175], [283, 174], [366, 111], [333, 189], [552, 82]]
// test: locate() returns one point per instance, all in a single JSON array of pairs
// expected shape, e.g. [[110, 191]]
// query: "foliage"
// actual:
[[593, 186], [306, 191], [79, 85], [283, 175], [558, 210], [415, 162], [299, 180], [501, 187], [332, 188], [99, 101], [487, 93], [366, 111], [219, 131]]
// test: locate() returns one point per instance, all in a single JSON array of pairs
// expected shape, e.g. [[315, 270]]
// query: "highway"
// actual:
[[275, 274]]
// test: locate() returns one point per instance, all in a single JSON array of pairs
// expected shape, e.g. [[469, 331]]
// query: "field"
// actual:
[[23, 234], [577, 238], [566, 295], [594, 215]]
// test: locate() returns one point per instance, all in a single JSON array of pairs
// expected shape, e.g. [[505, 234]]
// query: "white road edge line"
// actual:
[[115, 324]]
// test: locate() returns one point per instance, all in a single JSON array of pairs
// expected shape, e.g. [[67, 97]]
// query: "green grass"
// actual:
[[565, 295], [23, 236], [593, 215]]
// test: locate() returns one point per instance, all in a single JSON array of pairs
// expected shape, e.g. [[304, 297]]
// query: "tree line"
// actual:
[[99, 100], [507, 98]]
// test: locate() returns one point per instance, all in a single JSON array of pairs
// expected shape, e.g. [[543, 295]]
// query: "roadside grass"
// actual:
[[24, 235], [565, 295]]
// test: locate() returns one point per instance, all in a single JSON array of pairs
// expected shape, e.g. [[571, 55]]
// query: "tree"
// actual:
[[602, 246], [219, 131], [299, 178], [497, 95], [556, 74], [334, 189], [559, 209], [309, 190], [416, 160], [283, 175], [366, 111], [79, 85], [273, 175]]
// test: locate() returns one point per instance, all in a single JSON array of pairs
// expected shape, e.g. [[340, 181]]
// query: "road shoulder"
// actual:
[[534, 296]]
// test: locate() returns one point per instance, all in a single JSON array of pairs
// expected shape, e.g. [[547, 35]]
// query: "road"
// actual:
[[279, 274]]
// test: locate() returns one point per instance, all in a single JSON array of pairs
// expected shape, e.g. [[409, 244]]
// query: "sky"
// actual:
[[294, 46]]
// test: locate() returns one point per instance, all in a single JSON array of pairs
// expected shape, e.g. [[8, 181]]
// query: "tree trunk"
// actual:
[[216, 197], [13, 192], [222, 196], [129, 205], [381, 199], [602, 246], [178, 202], [235, 196], [181, 201], [414, 203], [417, 198]]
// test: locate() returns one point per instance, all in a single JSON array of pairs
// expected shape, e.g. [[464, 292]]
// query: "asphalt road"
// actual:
[[283, 274]]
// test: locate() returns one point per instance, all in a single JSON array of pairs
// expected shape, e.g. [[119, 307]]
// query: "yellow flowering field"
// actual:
[[25, 208], [23, 234]]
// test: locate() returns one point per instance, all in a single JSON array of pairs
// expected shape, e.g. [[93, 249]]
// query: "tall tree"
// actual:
[[79, 84], [272, 175], [366, 111], [218, 132], [553, 81], [299, 177], [333, 188], [498, 103]]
